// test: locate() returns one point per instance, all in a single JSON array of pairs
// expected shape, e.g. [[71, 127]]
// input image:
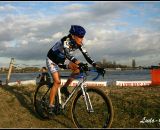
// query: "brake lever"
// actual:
[[102, 74]]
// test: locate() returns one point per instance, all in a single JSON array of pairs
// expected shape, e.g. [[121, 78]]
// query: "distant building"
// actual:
[[118, 69], [3, 69], [133, 63]]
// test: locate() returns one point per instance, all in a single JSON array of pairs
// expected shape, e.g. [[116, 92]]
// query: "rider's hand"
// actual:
[[83, 66], [62, 66], [100, 70]]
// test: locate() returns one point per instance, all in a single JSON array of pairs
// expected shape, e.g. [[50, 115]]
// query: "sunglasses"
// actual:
[[80, 36]]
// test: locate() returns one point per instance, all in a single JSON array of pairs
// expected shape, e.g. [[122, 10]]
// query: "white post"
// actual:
[[9, 71]]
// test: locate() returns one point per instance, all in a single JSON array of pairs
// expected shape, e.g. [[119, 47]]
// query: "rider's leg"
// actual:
[[54, 70], [75, 72], [55, 87]]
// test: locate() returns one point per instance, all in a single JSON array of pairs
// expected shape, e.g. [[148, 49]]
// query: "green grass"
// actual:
[[131, 105]]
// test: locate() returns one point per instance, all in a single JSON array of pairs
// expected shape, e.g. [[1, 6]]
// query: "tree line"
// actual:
[[110, 64], [103, 63]]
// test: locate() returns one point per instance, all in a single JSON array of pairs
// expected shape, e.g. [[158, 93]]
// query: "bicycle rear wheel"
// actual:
[[103, 112], [41, 100]]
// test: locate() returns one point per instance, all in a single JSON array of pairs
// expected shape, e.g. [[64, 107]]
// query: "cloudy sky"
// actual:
[[116, 31]]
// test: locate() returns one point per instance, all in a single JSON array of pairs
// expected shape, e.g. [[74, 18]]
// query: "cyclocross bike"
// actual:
[[90, 108]]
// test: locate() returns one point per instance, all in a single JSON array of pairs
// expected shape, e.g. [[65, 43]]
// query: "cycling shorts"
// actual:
[[52, 67]]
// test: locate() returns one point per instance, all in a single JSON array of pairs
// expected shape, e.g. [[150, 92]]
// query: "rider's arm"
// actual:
[[87, 57]]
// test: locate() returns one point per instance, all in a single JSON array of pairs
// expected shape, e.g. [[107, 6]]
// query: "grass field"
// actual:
[[134, 107]]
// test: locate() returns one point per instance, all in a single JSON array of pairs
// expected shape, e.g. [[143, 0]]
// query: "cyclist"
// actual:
[[61, 51]]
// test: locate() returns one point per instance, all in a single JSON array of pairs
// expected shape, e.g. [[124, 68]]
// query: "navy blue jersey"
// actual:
[[62, 50]]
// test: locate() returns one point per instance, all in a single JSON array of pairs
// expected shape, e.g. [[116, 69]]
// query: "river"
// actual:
[[111, 75]]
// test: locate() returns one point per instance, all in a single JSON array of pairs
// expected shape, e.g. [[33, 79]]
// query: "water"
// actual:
[[128, 75], [112, 75]]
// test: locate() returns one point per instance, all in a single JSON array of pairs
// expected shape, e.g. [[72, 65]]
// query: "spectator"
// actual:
[[44, 76]]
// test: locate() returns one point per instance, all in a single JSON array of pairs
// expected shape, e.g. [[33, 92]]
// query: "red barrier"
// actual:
[[155, 76]]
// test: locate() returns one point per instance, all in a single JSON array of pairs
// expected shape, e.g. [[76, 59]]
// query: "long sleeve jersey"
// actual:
[[62, 50]]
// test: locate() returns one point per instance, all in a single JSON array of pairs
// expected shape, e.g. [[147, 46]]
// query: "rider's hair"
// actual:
[[44, 68]]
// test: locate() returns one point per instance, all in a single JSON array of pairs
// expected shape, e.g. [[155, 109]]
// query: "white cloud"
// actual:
[[29, 38], [57, 35], [74, 7], [24, 42], [7, 7]]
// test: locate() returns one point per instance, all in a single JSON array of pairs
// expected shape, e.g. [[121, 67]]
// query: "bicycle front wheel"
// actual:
[[100, 117]]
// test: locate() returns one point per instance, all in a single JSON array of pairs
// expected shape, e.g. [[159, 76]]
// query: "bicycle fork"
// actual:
[[87, 98]]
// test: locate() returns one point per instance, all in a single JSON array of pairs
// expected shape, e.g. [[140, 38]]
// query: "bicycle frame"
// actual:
[[81, 85]]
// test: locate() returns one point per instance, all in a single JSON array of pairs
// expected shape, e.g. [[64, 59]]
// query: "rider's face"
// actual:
[[78, 40]]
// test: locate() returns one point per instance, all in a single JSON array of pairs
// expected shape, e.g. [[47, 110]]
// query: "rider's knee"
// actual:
[[57, 82], [73, 66], [76, 72]]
